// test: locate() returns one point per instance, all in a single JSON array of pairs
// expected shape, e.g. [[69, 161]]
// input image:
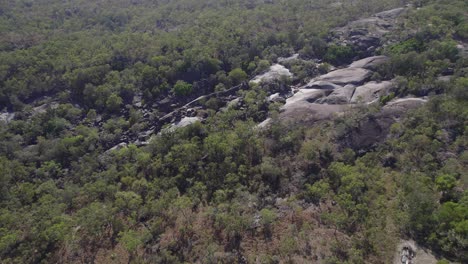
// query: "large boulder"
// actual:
[[341, 95], [371, 91], [7, 117], [391, 14], [402, 105], [355, 76], [375, 127], [321, 85], [276, 72], [305, 95], [370, 63], [301, 107], [186, 121], [306, 113]]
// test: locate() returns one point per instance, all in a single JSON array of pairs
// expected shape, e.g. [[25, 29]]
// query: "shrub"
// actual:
[[182, 88]]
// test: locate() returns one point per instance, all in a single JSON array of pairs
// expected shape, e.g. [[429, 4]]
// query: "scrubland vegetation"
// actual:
[[223, 191]]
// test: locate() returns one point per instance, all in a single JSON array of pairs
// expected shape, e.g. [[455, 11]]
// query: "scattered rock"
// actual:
[[138, 100], [145, 134], [275, 73], [191, 112], [366, 34], [44, 107], [409, 252]]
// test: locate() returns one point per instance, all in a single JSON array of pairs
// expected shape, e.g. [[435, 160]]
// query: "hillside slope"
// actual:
[[233, 131]]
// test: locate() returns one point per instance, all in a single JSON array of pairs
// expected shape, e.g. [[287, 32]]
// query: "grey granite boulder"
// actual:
[[275, 72], [370, 63], [371, 91], [355, 76], [321, 85], [341, 95]]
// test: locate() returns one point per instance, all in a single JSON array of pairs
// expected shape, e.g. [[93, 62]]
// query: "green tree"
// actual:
[[182, 88], [237, 76], [113, 103]]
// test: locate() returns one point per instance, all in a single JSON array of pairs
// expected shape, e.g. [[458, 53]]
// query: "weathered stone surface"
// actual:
[[117, 147], [305, 95], [404, 104], [371, 91], [43, 108], [445, 78], [375, 129], [420, 256], [7, 117], [275, 73], [341, 95], [264, 124], [370, 63], [321, 85], [276, 97], [366, 34], [391, 14], [463, 49], [356, 76], [292, 57], [305, 112], [233, 103], [301, 107], [186, 121]]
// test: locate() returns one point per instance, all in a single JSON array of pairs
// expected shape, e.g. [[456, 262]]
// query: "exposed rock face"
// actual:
[[186, 121], [370, 63], [301, 107], [419, 255], [7, 117], [463, 49], [376, 127], [275, 73], [371, 91], [321, 85], [117, 147], [304, 95], [356, 76], [401, 105], [366, 34], [43, 108], [277, 97], [292, 57], [341, 95], [305, 112]]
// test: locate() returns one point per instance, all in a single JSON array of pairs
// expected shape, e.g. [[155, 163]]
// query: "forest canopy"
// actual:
[[82, 82]]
